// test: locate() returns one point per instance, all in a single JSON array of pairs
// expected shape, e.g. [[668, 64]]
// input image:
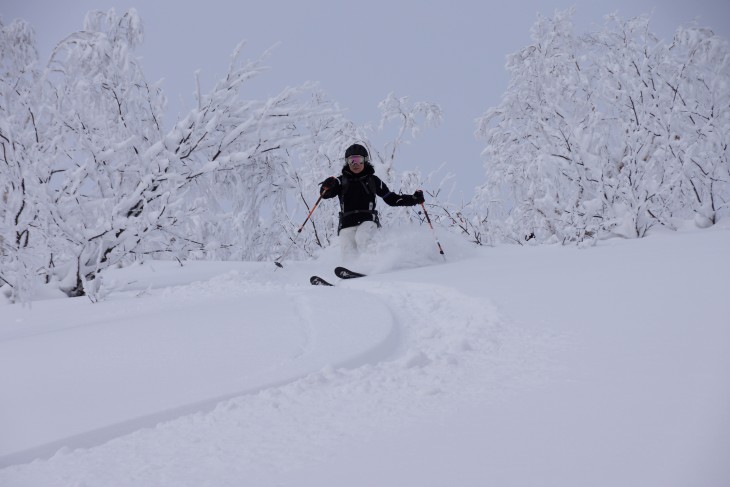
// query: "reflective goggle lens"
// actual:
[[355, 160]]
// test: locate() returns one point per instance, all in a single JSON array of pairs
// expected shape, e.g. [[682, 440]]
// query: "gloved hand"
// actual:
[[418, 196], [327, 185]]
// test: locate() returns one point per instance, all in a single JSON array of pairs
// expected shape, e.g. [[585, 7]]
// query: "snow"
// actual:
[[507, 365]]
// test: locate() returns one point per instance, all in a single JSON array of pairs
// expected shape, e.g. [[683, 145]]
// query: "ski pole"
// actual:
[[278, 261], [441, 251]]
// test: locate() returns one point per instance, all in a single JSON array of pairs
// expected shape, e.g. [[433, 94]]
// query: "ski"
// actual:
[[343, 273], [318, 281], [340, 272]]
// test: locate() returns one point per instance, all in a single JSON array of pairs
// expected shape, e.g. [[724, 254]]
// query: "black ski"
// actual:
[[318, 281], [343, 273]]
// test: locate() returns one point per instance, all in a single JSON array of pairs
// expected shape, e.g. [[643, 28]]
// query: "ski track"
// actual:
[[443, 345]]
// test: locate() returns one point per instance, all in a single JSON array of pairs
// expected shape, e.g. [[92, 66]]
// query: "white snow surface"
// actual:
[[507, 365]]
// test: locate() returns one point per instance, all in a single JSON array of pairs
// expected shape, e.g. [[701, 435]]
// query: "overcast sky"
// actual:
[[448, 52]]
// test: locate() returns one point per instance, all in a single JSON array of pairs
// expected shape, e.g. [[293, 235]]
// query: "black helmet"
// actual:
[[356, 150]]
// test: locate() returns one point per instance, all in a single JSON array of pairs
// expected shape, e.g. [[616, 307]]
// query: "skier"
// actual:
[[356, 188]]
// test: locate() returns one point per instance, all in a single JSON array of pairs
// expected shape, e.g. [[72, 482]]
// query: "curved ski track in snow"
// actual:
[[296, 340], [425, 345]]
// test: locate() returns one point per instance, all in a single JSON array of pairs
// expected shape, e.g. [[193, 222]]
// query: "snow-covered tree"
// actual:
[[25, 142], [631, 68], [92, 179], [410, 119], [322, 156], [110, 183], [610, 133], [540, 149], [139, 190], [700, 131], [405, 119]]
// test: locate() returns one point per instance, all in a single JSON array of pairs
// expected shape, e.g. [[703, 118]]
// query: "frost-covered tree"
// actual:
[[108, 119], [610, 133], [322, 156], [406, 119], [26, 140], [110, 182], [540, 150], [91, 178], [139, 190], [632, 68], [700, 132], [409, 118], [244, 212]]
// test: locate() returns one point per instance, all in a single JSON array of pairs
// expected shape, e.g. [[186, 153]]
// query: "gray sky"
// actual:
[[448, 52]]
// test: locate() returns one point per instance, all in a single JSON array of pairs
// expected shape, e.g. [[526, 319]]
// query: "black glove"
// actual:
[[418, 197], [327, 185]]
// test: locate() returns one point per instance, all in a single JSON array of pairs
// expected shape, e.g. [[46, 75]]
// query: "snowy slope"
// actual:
[[503, 366], [183, 351]]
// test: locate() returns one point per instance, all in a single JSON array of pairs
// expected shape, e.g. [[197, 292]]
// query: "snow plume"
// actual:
[[406, 246]]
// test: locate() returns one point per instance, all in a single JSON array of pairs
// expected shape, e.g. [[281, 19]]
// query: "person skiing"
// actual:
[[356, 188]]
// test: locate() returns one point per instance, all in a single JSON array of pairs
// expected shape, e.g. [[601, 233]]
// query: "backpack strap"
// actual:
[[344, 184], [371, 183]]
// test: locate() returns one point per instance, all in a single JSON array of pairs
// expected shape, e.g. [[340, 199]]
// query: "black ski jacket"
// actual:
[[357, 196]]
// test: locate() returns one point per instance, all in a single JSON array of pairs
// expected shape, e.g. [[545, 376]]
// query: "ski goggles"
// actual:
[[356, 160]]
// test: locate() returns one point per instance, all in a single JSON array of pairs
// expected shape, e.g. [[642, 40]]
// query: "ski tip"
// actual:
[[318, 281], [344, 273]]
